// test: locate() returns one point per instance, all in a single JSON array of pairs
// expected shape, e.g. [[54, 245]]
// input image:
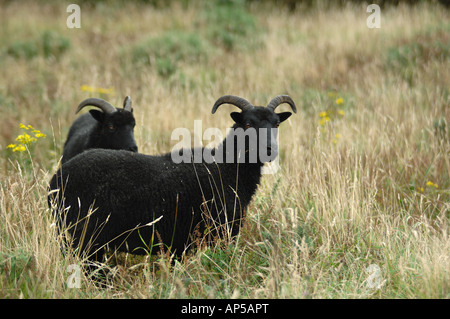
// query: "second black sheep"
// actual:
[[108, 128]]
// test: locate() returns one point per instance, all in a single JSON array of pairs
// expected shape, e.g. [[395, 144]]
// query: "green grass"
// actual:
[[367, 186], [48, 44]]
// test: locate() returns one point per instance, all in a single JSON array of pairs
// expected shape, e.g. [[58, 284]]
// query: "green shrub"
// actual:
[[229, 24], [167, 51], [22, 50], [48, 44], [53, 44]]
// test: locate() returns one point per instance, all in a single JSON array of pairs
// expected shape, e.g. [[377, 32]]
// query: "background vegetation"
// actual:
[[365, 163]]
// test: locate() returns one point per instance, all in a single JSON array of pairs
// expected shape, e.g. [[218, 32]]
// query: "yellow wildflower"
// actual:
[[323, 114], [19, 148], [38, 133], [87, 88], [337, 135], [430, 183], [25, 139], [339, 101], [341, 112], [20, 138], [323, 120]]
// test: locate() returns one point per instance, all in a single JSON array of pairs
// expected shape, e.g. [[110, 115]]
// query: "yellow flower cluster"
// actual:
[[328, 115], [431, 184], [337, 136], [17, 148], [334, 110], [324, 118], [24, 140], [92, 89]]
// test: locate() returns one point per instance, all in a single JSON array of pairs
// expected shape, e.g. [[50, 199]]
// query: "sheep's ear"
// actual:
[[284, 116], [237, 117], [98, 115]]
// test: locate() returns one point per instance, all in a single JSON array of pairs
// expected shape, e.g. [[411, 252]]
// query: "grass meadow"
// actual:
[[360, 205]]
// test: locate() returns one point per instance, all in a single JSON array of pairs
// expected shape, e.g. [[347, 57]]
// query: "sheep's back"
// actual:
[[78, 136], [130, 190]]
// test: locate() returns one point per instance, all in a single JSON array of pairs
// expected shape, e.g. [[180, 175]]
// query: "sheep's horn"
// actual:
[[280, 99], [106, 107], [240, 102], [127, 104]]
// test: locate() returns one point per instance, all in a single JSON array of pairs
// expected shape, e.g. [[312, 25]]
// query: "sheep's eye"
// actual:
[[247, 125], [111, 127], [278, 124]]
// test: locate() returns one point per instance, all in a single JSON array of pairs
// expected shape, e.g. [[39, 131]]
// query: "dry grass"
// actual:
[[340, 202]]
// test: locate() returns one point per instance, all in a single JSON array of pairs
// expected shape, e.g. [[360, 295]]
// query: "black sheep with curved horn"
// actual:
[[140, 203], [109, 127]]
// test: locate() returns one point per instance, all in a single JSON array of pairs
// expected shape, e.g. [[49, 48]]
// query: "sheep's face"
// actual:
[[256, 127], [116, 130], [259, 126]]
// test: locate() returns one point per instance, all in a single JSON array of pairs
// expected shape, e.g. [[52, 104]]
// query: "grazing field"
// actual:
[[360, 205]]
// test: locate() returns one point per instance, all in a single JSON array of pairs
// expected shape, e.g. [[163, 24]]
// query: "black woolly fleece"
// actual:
[[129, 190]]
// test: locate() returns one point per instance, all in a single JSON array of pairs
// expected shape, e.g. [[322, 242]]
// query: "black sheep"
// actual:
[[135, 202], [110, 128]]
